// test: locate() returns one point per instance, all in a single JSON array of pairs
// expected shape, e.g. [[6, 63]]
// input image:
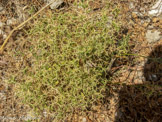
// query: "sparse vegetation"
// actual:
[[74, 63], [68, 54]]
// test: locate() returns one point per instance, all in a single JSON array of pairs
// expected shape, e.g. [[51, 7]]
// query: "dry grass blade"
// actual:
[[23, 23]]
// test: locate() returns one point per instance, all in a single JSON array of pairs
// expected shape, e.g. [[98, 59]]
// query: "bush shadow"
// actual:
[[143, 102]]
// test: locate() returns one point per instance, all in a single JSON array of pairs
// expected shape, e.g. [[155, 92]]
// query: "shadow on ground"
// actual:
[[143, 102]]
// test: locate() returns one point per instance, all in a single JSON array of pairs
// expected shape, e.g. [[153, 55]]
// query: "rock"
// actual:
[[153, 37], [156, 10], [55, 3]]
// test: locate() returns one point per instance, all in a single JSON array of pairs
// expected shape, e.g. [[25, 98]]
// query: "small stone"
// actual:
[[84, 120], [131, 5], [154, 20], [1, 8], [55, 3], [1, 32], [153, 36], [4, 36], [45, 114], [1, 24], [11, 21], [153, 77]]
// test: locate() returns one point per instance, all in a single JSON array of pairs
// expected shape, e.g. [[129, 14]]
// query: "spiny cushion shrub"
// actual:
[[68, 60]]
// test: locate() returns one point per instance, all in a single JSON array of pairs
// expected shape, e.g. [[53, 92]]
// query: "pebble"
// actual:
[[4, 36], [1, 24], [131, 5], [153, 77], [55, 3], [84, 120], [153, 37], [1, 8], [45, 114], [11, 21], [1, 32]]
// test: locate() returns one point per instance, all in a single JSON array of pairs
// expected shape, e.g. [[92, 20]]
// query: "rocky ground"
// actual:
[[145, 34]]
